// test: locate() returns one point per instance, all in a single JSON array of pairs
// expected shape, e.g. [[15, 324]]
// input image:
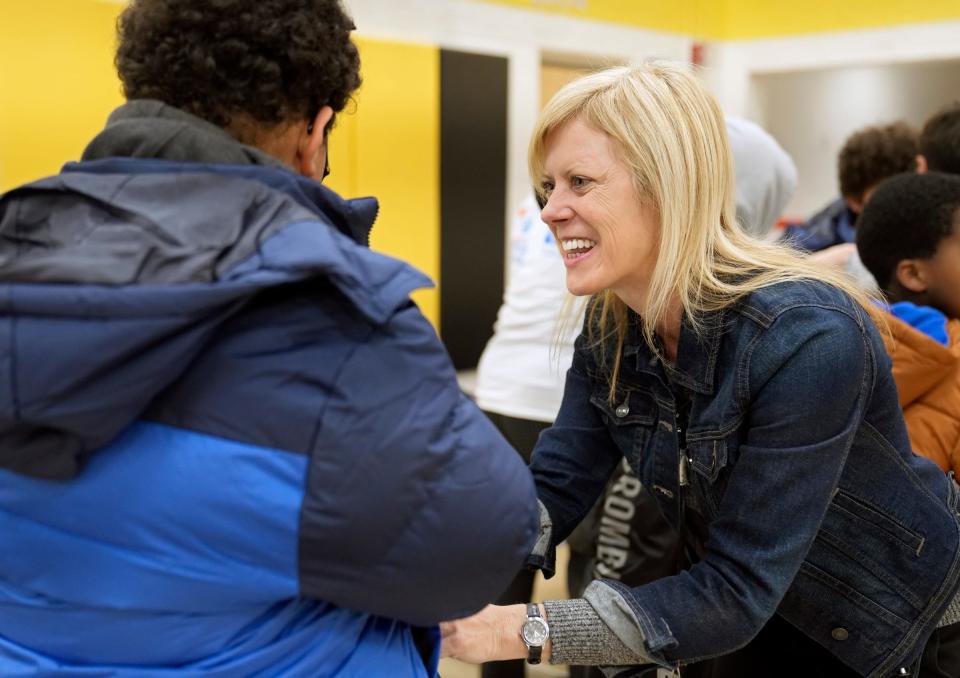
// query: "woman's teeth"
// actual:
[[576, 246]]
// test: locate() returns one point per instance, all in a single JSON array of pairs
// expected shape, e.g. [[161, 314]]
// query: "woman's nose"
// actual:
[[554, 209]]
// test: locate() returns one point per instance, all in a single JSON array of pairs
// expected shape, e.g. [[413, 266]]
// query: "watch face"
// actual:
[[534, 632]]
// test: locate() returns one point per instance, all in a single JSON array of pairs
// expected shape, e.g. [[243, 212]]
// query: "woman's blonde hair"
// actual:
[[671, 134]]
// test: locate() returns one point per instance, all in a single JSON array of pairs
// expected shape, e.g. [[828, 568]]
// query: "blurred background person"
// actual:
[[908, 236], [766, 177], [938, 150], [910, 241], [939, 143], [868, 156]]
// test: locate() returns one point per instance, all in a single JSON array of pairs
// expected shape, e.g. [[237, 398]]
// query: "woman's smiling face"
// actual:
[[608, 237]]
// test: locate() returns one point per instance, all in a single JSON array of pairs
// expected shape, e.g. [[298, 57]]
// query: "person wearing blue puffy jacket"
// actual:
[[230, 444]]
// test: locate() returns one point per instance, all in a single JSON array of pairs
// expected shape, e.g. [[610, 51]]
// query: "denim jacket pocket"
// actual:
[[630, 421], [868, 550], [840, 618], [862, 517], [707, 457]]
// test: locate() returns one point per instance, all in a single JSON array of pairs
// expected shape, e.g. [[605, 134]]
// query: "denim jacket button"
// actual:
[[840, 633], [622, 410]]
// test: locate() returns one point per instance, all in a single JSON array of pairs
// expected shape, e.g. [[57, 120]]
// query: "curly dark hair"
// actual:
[[940, 140], [873, 154], [907, 217], [268, 60]]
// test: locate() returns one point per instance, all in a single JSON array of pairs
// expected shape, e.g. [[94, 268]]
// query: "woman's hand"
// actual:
[[492, 634]]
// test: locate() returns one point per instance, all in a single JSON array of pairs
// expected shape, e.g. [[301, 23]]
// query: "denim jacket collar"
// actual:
[[697, 351]]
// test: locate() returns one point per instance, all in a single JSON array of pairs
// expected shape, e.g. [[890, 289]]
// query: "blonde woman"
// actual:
[[748, 389]]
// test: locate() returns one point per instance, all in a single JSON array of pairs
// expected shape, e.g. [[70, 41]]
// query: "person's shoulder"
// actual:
[[829, 213], [803, 323], [773, 300], [821, 230], [926, 322]]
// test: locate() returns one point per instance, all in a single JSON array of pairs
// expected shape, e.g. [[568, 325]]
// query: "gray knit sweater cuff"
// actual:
[[579, 636]]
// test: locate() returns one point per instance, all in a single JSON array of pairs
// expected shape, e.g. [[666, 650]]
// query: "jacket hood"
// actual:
[[765, 174], [115, 274], [151, 129], [925, 348]]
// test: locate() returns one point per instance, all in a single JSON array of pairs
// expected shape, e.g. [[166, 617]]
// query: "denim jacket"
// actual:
[[796, 458]]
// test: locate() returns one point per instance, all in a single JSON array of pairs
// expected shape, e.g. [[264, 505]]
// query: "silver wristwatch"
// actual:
[[535, 632]]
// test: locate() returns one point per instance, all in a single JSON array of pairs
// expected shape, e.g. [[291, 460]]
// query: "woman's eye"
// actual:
[[579, 182]]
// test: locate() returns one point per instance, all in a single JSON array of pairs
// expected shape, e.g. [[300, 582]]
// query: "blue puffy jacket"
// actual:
[[230, 445]]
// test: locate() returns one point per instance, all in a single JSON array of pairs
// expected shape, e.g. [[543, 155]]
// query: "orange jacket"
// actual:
[[928, 381]]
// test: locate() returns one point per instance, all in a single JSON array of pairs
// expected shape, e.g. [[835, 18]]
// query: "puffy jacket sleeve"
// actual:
[[415, 507]]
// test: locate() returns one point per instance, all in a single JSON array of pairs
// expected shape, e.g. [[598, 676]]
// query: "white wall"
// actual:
[[812, 91], [812, 113], [525, 38]]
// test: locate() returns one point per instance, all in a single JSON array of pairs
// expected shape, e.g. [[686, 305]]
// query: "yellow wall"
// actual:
[[57, 83], [762, 18], [690, 17], [744, 19], [388, 146], [555, 76]]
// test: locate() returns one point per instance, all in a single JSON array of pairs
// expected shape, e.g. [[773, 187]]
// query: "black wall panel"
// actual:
[[473, 161]]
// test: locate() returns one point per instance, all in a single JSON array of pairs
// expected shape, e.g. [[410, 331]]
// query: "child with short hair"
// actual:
[[908, 237]]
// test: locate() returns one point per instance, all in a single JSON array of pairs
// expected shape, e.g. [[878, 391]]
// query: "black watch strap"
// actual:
[[534, 652]]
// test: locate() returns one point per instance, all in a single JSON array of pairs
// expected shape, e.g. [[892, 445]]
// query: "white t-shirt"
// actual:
[[523, 367]]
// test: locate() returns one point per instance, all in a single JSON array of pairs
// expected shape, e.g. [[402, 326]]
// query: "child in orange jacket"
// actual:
[[908, 236]]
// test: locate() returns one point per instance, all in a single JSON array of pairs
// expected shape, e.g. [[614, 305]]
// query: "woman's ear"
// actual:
[[312, 144], [911, 275]]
